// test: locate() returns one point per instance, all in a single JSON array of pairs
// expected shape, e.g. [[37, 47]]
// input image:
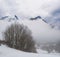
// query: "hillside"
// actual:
[[9, 52]]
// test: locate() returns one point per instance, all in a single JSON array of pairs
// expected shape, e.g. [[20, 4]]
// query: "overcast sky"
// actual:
[[27, 8]]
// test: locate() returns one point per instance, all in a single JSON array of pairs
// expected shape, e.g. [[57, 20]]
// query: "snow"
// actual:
[[41, 51], [9, 52]]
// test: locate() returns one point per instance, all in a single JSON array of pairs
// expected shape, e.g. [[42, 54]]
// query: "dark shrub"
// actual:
[[19, 37]]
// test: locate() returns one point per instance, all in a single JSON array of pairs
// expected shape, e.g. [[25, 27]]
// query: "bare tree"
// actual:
[[19, 36]]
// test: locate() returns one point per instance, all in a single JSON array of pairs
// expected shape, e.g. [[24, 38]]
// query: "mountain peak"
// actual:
[[9, 18], [35, 18]]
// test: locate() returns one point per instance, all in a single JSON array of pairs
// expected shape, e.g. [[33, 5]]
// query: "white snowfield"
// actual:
[[9, 52]]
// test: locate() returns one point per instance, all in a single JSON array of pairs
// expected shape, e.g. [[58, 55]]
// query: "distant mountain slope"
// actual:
[[9, 18], [53, 22], [35, 18]]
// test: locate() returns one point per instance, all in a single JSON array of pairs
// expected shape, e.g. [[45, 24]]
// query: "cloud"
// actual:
[[29, 7], [54, 18], [41, 31]]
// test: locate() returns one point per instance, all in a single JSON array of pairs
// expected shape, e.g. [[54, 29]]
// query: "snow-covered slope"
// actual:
[[9, 52]]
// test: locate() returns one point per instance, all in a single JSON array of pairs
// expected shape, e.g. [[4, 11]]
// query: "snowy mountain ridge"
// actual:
[[9, 18], [54, 24]]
